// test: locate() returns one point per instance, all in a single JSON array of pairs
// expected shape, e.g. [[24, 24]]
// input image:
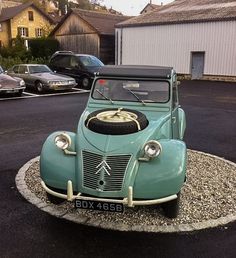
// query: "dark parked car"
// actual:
[[10, 84], [41, 78], [79, 66]]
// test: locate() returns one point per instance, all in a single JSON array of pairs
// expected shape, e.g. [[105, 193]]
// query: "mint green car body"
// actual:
[[159, 177]]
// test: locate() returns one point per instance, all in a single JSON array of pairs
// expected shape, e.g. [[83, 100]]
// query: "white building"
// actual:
[[197, 38]]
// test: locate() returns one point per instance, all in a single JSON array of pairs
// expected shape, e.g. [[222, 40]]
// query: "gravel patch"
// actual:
[[208, 199]]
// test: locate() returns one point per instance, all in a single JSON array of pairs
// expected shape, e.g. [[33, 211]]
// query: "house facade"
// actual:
[[88, 32], [197, 38], [27, 20]]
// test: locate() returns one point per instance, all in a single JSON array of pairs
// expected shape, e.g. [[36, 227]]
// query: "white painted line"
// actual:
[[30, 94]]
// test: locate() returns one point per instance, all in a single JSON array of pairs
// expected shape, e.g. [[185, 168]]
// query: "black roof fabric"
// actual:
[[135, 71]]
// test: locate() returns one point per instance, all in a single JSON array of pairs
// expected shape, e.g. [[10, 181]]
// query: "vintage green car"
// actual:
[[128, 149]]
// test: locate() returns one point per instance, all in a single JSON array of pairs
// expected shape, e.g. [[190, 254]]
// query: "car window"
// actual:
[[74, 62], [39, 69], [22, 69], [15, 69], [90, 61], [125, 90], [61, 61]]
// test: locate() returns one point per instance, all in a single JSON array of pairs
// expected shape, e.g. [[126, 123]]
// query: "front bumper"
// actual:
[[11, 90], [61, 86], [128, 201]]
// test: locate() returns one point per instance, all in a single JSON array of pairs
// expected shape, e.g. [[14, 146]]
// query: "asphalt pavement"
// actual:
[[26, 231]]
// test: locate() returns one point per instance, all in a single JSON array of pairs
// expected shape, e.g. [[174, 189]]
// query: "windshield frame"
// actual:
[[133, 80]]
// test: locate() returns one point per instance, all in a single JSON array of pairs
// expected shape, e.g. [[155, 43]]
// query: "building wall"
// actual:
[[171, 45], [22, 20], [77, 36], [4, 32]]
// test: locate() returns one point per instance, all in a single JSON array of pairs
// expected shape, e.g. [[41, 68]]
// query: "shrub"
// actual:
[[43, 47], [8, 62]]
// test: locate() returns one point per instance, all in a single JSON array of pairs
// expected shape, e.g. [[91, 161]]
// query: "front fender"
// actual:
[[163, 175], [56, 168]]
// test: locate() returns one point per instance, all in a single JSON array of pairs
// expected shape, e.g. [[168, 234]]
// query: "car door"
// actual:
[[75, 68], [175, 107], [24, 74]]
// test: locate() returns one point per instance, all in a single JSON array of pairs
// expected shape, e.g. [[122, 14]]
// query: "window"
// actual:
[[31, 15], [127, 90], [22, 69], [61, 61], [23, 32], [38, 32], [15, 69]]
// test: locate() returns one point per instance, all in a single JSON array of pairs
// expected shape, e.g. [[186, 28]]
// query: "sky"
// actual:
[[131, 7]]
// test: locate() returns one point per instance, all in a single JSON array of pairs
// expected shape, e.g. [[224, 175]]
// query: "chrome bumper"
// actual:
[[11, 89], [128, 201]]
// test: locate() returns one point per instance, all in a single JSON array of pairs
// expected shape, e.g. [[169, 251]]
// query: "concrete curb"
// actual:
[[81, 219]]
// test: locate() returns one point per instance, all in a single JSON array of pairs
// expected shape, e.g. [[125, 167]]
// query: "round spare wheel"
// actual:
[[116, 121]]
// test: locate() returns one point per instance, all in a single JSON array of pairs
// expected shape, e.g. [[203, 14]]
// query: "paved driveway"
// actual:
[[26, 231]]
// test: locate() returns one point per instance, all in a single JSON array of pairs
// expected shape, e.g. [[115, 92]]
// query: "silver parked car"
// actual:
[[41, 78], [11, 85]]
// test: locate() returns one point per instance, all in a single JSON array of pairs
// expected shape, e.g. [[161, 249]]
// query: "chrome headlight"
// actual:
[[22, 83], [63, 141], [152, 149]]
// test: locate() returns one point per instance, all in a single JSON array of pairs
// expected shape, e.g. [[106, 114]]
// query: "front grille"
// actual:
[[104, 173]]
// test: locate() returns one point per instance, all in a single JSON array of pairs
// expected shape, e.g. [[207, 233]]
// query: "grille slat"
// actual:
[[102, 180]]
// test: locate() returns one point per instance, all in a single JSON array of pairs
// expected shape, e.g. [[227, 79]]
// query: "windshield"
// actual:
[[39, 69], [90, 61], [134, 91]]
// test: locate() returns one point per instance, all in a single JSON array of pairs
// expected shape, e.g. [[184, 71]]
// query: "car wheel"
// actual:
[[116, 121], [55, 200], [171, 208], [86, 83], [39, 87]]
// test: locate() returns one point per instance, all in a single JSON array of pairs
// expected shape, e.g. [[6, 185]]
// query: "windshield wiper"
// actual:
[[137, 97], [104, 96]]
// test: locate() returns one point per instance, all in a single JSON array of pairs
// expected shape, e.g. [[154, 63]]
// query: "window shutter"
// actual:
[[19, 31], [26, 32]]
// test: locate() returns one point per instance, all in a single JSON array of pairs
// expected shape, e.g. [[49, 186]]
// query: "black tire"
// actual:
[[55, 200], [171, 208], [114, 128], [39, 87], [86, 83]]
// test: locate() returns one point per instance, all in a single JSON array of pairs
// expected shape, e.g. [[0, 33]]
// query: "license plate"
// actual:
[[11, 91], [99, 206]]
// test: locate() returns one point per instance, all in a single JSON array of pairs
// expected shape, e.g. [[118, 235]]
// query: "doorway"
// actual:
[[197, 66]]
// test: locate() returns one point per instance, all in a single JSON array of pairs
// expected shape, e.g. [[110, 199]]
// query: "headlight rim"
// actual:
[[158, 152], [66, 137], [22, 83]]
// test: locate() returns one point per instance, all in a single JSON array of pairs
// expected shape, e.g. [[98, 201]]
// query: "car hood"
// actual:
[[7, 81], [118, 143], [51, 76]]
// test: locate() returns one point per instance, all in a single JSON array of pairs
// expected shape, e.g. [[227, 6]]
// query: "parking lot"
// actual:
[[32, 94], [28, 232]]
